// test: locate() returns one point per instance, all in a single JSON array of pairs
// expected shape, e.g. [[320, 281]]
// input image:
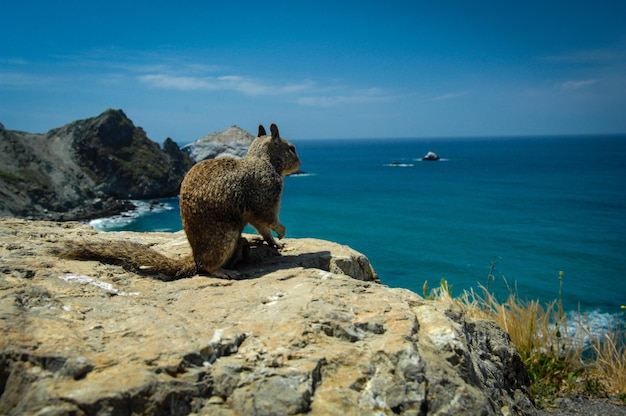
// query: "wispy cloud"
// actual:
[[448, 96], [371, 95], [245, 85], [597, 56], [16, 79], [172, 72], [575, 85], [306, 92], [593, 73], [13, 61], [165, 66]]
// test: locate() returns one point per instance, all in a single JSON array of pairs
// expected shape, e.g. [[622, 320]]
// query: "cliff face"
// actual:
[[309, 331], [122, 159], [85, 168]]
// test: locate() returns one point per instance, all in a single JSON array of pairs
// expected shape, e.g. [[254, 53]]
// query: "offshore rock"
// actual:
[[307, 331]]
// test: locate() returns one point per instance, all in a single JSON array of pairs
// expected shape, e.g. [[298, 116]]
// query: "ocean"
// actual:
[[524, 208]]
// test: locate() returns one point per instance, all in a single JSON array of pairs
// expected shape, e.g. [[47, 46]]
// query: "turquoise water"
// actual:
[[534, 206]]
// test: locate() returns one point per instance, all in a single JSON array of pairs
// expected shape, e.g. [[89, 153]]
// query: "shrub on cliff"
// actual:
[[559, 361]]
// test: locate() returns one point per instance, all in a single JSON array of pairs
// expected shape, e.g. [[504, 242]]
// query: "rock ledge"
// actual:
[[309, 331]]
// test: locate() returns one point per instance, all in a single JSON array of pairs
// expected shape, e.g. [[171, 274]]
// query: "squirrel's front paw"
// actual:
[[280, 231]]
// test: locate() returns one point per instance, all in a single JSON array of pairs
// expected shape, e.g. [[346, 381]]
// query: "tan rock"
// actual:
[[309, 331]]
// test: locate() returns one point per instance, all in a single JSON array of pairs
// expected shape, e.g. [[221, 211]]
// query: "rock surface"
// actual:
[[231, 142], [309, 331], [85, 169]]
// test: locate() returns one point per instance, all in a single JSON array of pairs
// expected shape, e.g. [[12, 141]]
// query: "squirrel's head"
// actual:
[[281, 153]]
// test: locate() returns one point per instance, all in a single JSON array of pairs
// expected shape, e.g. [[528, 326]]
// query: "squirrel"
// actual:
[[218, 197]]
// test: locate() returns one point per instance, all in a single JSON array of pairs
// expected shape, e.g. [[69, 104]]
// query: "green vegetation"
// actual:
[[558, 362], [26, 175], [140, 158], [8, 176]]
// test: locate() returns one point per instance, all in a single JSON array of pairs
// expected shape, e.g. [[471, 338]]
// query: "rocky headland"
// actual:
[[87, 168], [94, 167], [307, 331]]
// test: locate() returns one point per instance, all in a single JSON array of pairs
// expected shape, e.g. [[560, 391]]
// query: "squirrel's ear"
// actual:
[[274, 130], [261, 131]]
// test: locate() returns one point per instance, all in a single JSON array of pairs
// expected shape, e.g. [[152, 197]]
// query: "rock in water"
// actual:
[[307, 331], [431, 156]]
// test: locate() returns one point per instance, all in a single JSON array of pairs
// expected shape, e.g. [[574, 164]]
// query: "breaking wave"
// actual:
[[125, 219]]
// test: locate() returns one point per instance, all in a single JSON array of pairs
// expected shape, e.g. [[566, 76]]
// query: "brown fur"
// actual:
[[218, 198]]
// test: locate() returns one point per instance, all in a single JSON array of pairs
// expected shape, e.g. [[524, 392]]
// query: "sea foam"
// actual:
[[123, 220]]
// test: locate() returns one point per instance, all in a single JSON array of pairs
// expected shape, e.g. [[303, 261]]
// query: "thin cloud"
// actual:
[[576, 85], [322, 101], [448, 96], [178, 82], [251, 86], [16, 79], [166, 67], [245, 85], [589, 56], [371, 95], [13, 61]]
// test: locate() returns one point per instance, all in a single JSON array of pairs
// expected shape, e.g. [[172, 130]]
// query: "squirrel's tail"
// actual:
[[133, 257]]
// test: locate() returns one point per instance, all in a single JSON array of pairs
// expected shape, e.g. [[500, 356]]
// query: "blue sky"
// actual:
[[324, 69]]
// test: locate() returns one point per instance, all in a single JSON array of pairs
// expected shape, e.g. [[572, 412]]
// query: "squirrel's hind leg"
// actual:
[[216, 251]]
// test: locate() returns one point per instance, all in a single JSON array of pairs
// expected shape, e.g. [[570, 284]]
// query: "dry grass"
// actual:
[[558, 361], [610, 361]]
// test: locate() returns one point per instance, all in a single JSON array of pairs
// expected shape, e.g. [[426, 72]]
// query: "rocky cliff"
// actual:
[[86, 168], [231, 142], [307, 331]]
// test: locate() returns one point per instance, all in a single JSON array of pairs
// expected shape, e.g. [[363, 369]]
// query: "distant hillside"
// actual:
[[85, 169], [231, 142]]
